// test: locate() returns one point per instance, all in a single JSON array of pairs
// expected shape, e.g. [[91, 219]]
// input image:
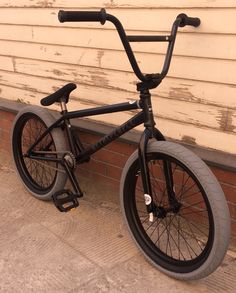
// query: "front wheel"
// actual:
[[188, 242]]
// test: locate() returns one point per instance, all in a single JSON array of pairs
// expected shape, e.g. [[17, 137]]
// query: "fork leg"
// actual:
[[145, 173], [168, 176]]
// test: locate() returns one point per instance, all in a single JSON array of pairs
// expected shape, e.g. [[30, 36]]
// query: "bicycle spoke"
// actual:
[[195, 212], [168, 239], [40, 172], [195, 226], [165, 229], [192, 205], [187, 190], [177, 245], [188, 246], [158, 222], [193, 234]]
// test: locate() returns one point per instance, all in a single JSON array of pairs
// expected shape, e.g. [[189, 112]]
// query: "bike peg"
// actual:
[[65, 200]]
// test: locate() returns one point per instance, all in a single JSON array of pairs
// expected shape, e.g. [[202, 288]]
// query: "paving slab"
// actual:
[[87, 250]]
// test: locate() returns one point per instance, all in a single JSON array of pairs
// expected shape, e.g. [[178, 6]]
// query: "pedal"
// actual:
[[65, 200]]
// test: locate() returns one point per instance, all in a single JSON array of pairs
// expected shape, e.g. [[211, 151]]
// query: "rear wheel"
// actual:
[[188, 241], [41, 177]]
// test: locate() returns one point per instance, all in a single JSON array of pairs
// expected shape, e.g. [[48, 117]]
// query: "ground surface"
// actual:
[[87, 250]]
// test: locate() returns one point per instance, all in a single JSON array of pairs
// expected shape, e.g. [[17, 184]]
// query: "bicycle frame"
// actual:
[[81, 154], [64, 121], [148, 81]]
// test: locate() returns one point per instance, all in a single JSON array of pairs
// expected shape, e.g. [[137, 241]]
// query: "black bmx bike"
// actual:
[[173, 205]]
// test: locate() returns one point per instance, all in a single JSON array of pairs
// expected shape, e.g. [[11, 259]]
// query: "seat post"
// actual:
[[63, 105]]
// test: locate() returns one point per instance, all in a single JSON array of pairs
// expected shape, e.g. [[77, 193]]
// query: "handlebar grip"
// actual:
[[71, 16], [185, 20]]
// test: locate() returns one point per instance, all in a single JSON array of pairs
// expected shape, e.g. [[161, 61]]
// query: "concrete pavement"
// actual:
[[87, 250]]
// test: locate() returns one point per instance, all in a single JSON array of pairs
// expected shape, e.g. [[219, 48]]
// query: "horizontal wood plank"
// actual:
[[221, 71], [188, 44], [120, 3], [179, 89], [152, 20]]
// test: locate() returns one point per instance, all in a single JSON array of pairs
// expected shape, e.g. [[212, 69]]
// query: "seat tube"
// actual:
[[67, 126]]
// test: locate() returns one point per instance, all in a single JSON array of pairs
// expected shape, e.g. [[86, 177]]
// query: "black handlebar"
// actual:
[[185, 20], [70, 16], [101, 16]]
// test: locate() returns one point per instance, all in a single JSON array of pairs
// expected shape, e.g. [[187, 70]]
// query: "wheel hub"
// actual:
[[161, 212]]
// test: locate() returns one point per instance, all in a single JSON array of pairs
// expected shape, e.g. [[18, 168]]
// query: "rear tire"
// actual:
[[186, 244], [41, 178]]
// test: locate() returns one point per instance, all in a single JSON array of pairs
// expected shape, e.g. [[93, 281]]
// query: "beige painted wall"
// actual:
[[196, 103]]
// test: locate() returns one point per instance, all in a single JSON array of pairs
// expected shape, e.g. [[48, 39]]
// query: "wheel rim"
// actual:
[[40, 175], [180, 241]]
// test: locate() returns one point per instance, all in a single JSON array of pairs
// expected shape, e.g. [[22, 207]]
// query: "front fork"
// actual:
[[149, 133], [145, 175]]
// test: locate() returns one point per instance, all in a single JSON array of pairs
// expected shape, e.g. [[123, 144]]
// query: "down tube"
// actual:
[[117, 132]]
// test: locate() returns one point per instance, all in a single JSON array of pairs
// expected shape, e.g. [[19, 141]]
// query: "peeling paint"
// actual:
[[89, 42], [81, 57], [189, 139], [28, 88], [183, 93], [43, 48], [14, 64], [111, 3], [32, 33], [100, 54], [225, 120], [21, 100], [45, 3], [57, 72], [99, 78]]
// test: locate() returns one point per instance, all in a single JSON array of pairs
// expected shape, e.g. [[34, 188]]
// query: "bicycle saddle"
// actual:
[[63, 92]]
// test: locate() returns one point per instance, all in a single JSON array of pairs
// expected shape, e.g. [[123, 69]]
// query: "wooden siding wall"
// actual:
[[196, 103]]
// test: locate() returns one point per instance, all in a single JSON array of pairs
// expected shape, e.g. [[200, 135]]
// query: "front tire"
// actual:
[[186, 244]]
